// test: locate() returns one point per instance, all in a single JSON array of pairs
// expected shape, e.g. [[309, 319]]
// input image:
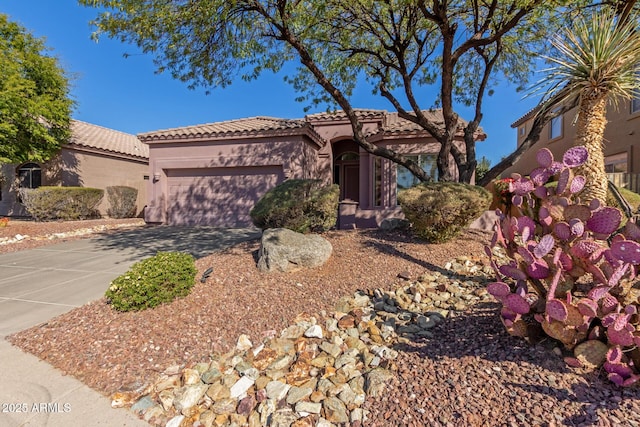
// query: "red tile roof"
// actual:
[[261, 126], [97, 137]]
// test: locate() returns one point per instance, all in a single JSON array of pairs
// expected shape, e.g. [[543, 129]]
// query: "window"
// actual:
[[377, 181], [522, 130], [30, 175], [635, 104], [555, 129], [427, 162], [616, 163]]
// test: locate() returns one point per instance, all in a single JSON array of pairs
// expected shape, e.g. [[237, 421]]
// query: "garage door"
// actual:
[[220, 197]]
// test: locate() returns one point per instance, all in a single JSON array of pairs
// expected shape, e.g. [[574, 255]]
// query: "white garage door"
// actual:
[[220, 197]]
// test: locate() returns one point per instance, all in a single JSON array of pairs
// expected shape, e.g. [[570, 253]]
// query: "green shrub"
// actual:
[[122, 201], [440, 211], [301, 205], [153, 281], [66, 203]]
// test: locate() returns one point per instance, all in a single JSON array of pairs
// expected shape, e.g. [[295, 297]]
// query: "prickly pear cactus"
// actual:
[[570, 267]]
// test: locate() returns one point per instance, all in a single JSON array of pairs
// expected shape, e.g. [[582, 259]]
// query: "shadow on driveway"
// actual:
[[199, 241]]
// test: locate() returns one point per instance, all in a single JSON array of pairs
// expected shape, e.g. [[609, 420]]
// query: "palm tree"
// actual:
[[596, 64]]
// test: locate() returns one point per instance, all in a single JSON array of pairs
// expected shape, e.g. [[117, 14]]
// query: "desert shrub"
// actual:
[[568, 269], [122, 201], [440, 211], [153, 281], [301, 205], [65, 203]]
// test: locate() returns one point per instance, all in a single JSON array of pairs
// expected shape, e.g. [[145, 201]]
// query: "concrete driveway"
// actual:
[[38, 284]]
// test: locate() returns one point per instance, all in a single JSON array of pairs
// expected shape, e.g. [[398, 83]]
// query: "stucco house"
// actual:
[[621, 142], [94, 157], [214, 173]]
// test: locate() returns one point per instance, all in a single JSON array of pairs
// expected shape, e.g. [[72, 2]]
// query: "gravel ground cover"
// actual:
[[470, 373]]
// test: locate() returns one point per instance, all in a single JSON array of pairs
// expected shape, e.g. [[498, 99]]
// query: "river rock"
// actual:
[[189, 396], [285, 250]]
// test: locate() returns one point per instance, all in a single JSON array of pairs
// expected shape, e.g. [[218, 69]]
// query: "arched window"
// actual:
[[30, 175]]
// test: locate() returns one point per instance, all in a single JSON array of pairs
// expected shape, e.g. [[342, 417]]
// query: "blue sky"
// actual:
[[125, 94]]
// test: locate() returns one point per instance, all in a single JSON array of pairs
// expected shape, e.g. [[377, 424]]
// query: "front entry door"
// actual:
[[350, 188]]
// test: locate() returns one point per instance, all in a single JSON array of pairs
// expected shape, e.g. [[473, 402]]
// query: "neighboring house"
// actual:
[[94, 157], [621, 137], [214, 173]]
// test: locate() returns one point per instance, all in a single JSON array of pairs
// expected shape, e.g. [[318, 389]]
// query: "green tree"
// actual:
[[596, 64], [482, 167], [35, 106], [396, 46]]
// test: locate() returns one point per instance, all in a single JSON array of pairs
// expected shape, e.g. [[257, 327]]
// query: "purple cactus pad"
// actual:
[[562, 230], [616, 379], [556, 309], [538, 269], [577, 184], [588, 307], [573, 362], [544, 156], [563, 180], [525, 223], [619, 337], [513, 272], [522, 186], [594, 204], [526, 254], [498, 289], [626, 251], [587, 250], [539, 176], [614, 355], [605, 220], [575, 156], [517, 304], [631, 231], [555, 168], [517, 200], [544, 246], [577, 227]]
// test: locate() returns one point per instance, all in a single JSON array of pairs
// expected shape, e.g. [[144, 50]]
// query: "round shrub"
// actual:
[[301, 205], [153, 281], [440, 211]]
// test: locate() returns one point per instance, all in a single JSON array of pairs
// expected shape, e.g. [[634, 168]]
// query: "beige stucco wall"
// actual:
[[80, 168], [295, 154], [621, 136]]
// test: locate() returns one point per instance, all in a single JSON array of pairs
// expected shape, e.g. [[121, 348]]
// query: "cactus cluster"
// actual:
[[571, 270]]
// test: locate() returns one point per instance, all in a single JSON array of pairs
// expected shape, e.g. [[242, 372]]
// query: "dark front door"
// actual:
[[350, 188]]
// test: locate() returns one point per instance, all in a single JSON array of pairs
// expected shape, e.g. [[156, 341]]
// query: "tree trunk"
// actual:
[[589, 133]]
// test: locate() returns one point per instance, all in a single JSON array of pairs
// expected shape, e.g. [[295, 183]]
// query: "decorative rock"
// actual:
[[332, 349], [225, 406], [297, 394], [308, 407], [246, 405], [314, 331], [239, 389], [142, 405], [218, 391], [376, 381], [277, 390], [190, 377], [314, 368], [189, 396], [175, 421], [244, 343], [285, 250], [303, 422], [211, 376], [283, 418], [335, 410]]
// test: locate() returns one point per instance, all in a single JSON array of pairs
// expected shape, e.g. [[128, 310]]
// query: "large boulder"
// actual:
[[284, 250]]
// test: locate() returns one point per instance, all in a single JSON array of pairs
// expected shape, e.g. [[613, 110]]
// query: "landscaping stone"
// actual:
[[285, 250], [310, 375]]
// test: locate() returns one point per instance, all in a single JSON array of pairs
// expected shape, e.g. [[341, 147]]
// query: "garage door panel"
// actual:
[[218, 196]]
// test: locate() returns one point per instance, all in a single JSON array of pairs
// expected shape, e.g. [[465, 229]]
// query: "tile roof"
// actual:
[[362, 113], [526, 116], [97, 137], [239, 127]]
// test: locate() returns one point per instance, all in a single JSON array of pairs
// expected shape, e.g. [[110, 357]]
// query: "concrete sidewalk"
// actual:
[[38, 284]]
